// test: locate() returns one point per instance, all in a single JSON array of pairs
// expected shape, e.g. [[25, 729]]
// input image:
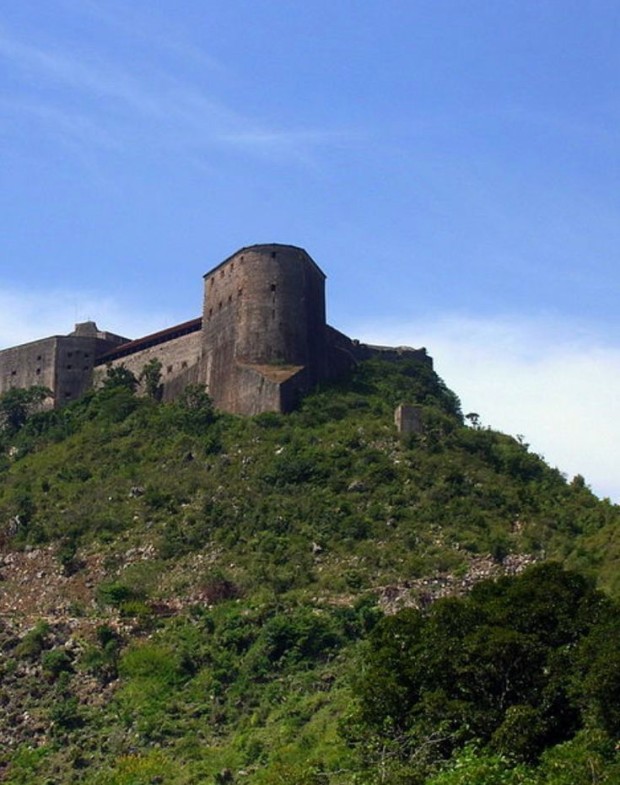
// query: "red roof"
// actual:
[[154, 339]]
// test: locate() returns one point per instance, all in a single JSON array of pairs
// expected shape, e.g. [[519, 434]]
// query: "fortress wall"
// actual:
[[176, 356], [266, 389], [64, 363], [223, 293], [343, 350], [29, 364], [293, 389], [174, 387], [364, 351], [340, 353], [75, 358], [253, 393]]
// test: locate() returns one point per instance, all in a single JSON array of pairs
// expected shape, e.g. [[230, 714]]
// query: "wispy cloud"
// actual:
[[555, 383], [101, 80], [138, 103], [150, 30]]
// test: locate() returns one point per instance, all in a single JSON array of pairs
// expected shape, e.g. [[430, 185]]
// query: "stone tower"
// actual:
[[263, 328]]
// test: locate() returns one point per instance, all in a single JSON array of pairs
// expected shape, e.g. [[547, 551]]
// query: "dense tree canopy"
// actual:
[[519, 665], [18, 403]]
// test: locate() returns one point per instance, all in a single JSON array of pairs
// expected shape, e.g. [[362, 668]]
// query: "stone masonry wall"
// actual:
[[75, 358], [28, 365], [176, 356]]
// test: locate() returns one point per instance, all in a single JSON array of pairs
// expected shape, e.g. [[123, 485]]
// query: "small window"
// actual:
[[86, 354], [273, 287], [239, 292], [67, 394], [220, 305], [232, 266], [69, 367], [38, 371], [184, 364], [230, 298], [39, 357], [13, 373], [69, 354], [210, 312], [221, 273], [169, 369], [212, 281], [273, 254]]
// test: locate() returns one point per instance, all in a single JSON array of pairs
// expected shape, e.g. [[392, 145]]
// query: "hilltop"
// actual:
[[185, 592]]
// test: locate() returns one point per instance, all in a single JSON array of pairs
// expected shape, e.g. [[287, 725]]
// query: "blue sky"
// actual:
[[452, 166]]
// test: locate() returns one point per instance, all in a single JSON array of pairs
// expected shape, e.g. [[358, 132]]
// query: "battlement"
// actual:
[[261, 343]]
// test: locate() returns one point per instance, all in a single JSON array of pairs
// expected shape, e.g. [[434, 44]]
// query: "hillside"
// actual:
[[185, 595]]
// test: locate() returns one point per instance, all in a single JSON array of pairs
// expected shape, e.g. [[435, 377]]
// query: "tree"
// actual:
[[18, 403], [119, 376], [197, 406], [116, 398], [196, 398], [150, 376], [514, 667], [474, 419]]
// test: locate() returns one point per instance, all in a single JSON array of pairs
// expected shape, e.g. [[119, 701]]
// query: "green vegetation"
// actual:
[[216, 589], [151, 378], [17, 404], [517, 667]]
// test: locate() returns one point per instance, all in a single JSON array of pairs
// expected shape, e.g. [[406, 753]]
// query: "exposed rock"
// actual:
[[422, 592]]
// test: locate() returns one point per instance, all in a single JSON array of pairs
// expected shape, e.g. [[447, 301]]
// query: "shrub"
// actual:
[[116, 593], [33, 642], [56, 662]]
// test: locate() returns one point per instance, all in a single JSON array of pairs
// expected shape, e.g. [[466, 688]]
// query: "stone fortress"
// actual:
[[261, 343]]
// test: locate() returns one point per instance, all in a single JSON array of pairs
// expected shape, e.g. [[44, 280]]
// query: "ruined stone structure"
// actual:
[[261, 343], [408, 419]]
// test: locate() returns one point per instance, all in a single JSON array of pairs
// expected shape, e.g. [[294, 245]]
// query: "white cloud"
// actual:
[[28, 316], [555, 383]]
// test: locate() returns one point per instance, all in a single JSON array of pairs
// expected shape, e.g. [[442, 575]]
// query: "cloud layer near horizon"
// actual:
[[28, 316], [555, 384]]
